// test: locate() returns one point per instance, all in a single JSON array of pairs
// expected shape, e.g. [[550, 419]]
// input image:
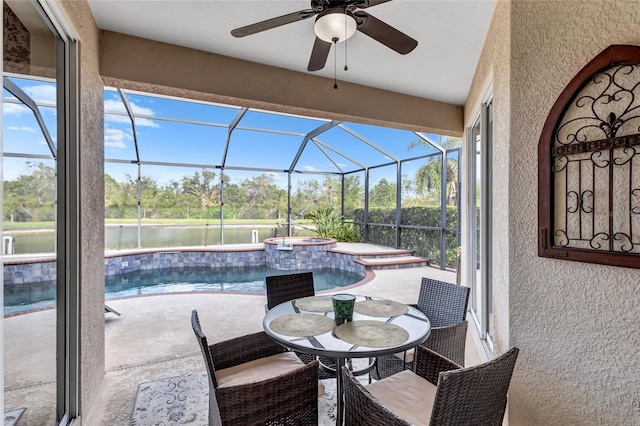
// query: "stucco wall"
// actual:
[[575, 323], [91, 201]]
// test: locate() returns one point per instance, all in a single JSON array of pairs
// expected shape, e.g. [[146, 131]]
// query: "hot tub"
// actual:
[[298, 252]]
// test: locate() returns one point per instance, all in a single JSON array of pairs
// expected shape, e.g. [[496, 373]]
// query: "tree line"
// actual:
[[31, 196]]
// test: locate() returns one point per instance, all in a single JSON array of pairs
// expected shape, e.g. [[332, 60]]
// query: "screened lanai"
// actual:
[[180, 172]]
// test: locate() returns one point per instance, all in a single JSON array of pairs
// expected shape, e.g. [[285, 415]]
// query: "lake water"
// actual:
[[25, 297], [151, 236]]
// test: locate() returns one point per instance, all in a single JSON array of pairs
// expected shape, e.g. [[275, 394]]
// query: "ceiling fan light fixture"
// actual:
[[335, 24]]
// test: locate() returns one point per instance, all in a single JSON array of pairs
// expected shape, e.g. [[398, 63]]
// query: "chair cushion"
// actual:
[[259, 369], [406, 394]]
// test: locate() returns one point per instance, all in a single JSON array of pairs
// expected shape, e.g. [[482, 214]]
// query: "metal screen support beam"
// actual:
[[12, 88], [139, 207], [342, 194], [371, 144], [443, 209], [289, 224], [365, 214], [127, 106], [458, 200], [322, 150], [330, 148], [312, 134], [398, 202], [221, 210], [443, 197], [232, 127]]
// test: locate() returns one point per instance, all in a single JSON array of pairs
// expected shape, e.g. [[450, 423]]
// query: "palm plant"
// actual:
[[329, 224]]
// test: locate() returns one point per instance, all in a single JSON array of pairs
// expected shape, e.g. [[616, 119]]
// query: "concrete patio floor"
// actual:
[[153, 339]]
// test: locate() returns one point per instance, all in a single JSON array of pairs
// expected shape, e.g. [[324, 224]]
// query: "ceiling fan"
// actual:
[[337, 21]]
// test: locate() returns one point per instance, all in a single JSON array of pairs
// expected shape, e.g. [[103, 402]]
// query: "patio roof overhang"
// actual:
[[144, 65]]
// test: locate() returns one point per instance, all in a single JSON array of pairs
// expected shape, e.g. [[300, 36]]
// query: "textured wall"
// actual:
[[576, 323], [91, 201], [17, 50]]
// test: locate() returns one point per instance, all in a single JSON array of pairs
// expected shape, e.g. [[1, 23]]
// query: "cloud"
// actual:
[[310, 168], [116, 138], [44, 93], [115, 105], [22, 129], [14, 109]]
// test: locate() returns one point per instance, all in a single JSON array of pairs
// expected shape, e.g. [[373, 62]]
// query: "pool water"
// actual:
[[24, 297]]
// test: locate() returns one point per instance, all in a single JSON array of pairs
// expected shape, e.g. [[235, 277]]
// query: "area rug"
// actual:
[[11, 417], [184, 400]]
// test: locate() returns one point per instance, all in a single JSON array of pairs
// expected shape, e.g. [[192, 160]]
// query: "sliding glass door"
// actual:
[[39, 167], [479, 218]]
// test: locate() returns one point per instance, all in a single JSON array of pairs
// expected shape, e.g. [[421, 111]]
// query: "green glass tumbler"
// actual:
[[343, 305]]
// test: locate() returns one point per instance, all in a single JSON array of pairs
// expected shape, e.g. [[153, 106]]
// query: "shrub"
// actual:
[[330, 224]]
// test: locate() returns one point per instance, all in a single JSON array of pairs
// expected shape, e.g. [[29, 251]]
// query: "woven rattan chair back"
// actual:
[[475, 395], [443, 303], [449, 341], [282, 288], [204, 347]]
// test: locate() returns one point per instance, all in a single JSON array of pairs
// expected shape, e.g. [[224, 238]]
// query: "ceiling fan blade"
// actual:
[[319, 55], [273, 23], [371, 3], [385, 33]]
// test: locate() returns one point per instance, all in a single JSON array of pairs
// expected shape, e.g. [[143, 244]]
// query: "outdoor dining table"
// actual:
[[379, 327]]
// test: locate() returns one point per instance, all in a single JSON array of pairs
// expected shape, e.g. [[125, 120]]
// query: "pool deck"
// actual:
[[153, 339]]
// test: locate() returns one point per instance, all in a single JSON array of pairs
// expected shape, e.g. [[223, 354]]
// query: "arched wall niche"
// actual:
[[589, 164]]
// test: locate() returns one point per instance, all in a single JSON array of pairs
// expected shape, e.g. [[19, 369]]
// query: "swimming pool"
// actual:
[[31, 296]]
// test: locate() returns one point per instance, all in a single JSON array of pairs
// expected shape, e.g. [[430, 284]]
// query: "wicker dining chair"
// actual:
[[255, 381], [445, 305], [282, 288], [440, 392]]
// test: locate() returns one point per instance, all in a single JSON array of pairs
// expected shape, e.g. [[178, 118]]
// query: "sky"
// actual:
[[261, 139]]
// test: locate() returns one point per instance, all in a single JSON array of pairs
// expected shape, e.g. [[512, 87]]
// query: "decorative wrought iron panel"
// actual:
[[589, 194]]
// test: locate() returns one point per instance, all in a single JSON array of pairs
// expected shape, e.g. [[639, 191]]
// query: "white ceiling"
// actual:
[[450, 36]]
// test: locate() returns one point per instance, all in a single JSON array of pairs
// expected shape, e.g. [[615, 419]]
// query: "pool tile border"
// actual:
[[29, 271], [17, 272]]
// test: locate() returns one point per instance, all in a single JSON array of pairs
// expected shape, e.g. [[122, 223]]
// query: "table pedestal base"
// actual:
[[339, 392]]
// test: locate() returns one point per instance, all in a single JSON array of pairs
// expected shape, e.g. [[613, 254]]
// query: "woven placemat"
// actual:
[[302, 325], [381, 308], [315, 304], [373, 334]]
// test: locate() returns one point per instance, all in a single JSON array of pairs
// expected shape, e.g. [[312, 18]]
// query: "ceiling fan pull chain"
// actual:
[[346, 68], [346, 39], [335, 63]]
